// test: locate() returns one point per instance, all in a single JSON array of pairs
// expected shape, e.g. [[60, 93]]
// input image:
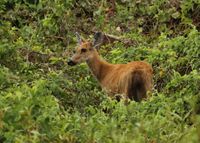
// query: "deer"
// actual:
[[132, 80]]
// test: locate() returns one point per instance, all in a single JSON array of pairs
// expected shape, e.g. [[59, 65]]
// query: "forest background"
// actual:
[[42, 99]]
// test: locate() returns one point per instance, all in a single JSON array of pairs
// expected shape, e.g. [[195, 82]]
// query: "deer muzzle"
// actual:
[[71, 63]]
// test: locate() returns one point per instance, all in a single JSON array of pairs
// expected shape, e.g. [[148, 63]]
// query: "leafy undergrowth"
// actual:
[[42, 99]]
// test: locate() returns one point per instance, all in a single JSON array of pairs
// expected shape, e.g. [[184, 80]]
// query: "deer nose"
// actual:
[[71, 63]]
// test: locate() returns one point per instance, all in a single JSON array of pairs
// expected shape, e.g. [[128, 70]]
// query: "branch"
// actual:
[[107, 39]]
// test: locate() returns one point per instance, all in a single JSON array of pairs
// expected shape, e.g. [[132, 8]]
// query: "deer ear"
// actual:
[[98, 39], [78, 38]]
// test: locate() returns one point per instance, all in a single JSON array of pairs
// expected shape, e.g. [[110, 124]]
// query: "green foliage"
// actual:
[[44, 100]]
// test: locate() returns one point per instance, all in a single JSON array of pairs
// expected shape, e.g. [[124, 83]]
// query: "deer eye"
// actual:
[[83, 50]]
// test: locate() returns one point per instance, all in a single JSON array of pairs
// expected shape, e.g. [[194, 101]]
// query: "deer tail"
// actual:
[[136, 88]]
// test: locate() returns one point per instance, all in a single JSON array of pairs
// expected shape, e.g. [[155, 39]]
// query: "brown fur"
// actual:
[[133, 79]]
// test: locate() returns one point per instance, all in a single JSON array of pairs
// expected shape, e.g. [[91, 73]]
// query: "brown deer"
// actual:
[[131, 80]]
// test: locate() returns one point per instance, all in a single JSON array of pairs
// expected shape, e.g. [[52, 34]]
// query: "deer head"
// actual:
[[85, 50]]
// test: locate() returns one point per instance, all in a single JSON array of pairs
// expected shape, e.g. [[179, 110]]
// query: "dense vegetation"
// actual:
[[42, 99]]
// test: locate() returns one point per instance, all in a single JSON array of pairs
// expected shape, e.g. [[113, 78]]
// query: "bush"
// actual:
[[44, 100]]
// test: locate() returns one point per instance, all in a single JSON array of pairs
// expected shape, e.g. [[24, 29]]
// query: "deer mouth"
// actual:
[[71, 63]]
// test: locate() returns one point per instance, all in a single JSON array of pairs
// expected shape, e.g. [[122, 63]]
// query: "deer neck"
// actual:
[[98, 66]]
